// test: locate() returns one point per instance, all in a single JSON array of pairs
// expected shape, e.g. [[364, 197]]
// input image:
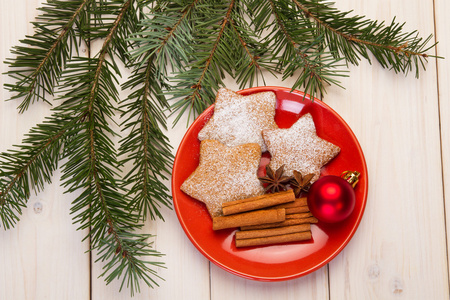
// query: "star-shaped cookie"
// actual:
[[224, 174], [240, 119], [299, 148]]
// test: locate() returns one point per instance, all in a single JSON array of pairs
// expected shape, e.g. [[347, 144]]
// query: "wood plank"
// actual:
[[399, 251], [43, 256], [226, 286], [442, 8]]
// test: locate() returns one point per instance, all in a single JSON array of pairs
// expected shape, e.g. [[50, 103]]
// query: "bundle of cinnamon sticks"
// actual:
[[268, 219]]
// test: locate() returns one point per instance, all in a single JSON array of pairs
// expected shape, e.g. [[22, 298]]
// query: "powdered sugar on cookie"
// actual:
[[224, 174], [299, 148], [239, 120]]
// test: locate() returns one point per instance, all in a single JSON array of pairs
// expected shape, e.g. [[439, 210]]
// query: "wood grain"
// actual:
[[398, 252]]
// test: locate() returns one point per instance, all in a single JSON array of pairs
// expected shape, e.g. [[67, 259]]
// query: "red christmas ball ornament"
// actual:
[[331, 198]]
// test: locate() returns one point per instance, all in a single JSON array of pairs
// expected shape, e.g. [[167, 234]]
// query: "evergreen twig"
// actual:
[[211, 57], [88, 97], [103, 206], [146, 146], [50, 47], [29, 168], [353, 37]]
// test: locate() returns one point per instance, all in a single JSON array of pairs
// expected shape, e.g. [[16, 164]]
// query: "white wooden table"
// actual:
[[400, 250]]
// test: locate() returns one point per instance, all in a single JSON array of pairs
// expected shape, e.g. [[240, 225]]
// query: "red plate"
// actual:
[[275, 262]]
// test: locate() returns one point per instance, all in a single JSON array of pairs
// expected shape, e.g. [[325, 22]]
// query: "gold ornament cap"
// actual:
[[351, 177]]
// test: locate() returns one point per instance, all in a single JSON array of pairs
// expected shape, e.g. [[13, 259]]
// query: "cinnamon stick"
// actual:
[[296, 210], [277, 239], [299, 215], [299, 205], [258, 233], [258, 202], [288, 222], [249, 218], [297, 202]]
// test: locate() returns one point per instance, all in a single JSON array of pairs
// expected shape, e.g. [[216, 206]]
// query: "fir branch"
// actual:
[[146, 146], [210, 59], [125, 262], [165, 37], [51, 46], [297, 47], [103, 204], [252, 57], [353, 37], [198, 86], [29, 168]]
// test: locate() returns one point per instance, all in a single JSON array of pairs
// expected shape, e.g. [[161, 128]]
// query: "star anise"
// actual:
[[275, 180], [300, 183]]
